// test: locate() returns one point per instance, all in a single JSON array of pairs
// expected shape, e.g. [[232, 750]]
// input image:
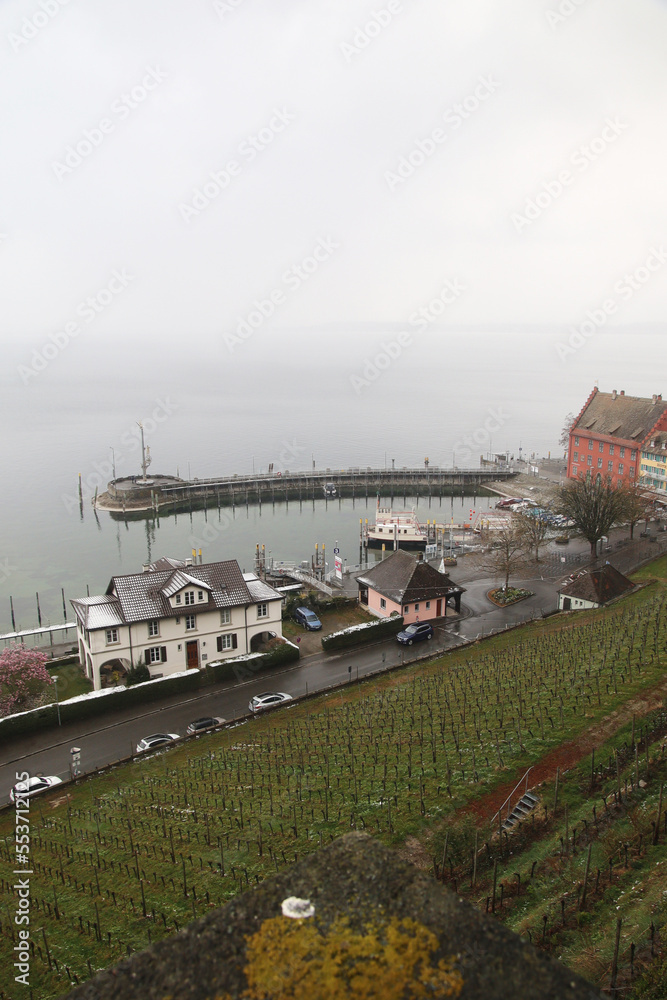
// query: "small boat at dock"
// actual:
[[397, 529]]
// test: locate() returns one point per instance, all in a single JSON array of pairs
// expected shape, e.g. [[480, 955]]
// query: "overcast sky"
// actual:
[[225, 178]]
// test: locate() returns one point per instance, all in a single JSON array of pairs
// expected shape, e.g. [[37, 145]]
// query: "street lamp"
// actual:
[[54, 678]]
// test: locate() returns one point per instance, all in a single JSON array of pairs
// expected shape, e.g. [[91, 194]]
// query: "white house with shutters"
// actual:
[[174, 616]]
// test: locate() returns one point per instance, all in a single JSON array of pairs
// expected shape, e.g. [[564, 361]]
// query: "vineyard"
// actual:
[[584, 877], [131, 855]]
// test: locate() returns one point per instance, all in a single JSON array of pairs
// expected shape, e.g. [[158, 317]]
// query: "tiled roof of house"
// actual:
[[178, 580], [166, 562], [259, 590], [610, 414], [103, 611], [402, 579], [145, 596], [598, 586], [656, 442]]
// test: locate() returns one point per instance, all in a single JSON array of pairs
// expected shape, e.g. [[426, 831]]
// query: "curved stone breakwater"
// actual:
[[164, 494]]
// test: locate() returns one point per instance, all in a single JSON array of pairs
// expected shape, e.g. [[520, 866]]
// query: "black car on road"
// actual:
[[415, 633]]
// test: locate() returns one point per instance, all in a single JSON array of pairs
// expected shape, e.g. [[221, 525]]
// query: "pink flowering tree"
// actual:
[[23, 676]]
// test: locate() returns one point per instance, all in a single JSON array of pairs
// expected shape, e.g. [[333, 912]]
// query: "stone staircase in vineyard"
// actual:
[[517, 806], [521, 811]]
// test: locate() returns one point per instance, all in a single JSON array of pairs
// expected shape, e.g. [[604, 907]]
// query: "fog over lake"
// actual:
[[337, 233]]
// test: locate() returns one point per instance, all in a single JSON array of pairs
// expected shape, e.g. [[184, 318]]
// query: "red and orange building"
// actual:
[[606, 438]]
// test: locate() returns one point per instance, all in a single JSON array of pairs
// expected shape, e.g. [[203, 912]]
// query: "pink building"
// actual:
[[399, 585]]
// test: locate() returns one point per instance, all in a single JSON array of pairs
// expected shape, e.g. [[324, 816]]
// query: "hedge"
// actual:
[[358, 634], [110, 700], [253, 663]]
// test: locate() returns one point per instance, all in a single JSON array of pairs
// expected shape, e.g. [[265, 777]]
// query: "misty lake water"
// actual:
[[87, 550], [56, 433]]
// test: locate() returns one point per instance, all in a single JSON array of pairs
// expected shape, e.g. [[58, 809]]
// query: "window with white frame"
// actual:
[[599, 463], [575, 457], [589, 460], [590, 444], [428, 605], [600, 445], [200, 595], [153, 628], [226, 616], [112, 635], [190, 622], [611, 449], [416, 607], [620, 468], [228, 641], [576, 440], [610, 466], [406, 609], [263, 610], [622, 452], [189, 597], [633, 455], [156, 654], [383, 603], [178, 598]]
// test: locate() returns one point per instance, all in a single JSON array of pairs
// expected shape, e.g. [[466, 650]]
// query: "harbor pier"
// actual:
[[141, 496]]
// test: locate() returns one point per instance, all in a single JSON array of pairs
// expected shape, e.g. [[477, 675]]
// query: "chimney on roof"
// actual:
[[622, 393], [614, 394], [146, 568]]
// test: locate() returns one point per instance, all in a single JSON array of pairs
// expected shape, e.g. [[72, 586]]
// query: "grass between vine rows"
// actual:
[[129, 856]]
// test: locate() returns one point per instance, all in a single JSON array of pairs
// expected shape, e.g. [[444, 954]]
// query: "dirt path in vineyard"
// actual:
[[564, 757], [570, 753]]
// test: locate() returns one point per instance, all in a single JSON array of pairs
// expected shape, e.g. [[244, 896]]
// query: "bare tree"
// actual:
[[506, 556], [637, 506], [564, 439], [534, 531], [593, 504]]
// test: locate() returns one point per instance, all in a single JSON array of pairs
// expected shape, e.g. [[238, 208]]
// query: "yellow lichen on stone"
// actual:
[[392, 960]]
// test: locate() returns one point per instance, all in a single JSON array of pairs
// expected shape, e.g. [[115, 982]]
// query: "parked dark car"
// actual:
[[307, 618], [207, 722], [415, 633]]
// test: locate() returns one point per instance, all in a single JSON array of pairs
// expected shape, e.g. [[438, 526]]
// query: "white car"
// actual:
[[33, 786], [155, 741], [268, 700]]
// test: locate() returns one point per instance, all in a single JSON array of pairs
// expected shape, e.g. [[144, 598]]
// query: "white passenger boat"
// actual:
[[396, 529]]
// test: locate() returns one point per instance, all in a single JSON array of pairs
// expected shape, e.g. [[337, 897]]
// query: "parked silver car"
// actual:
[[155, 741], [35, 785], [268, 700]]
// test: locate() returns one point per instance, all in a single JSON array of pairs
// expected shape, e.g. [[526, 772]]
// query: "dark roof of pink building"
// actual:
[[403, 580]]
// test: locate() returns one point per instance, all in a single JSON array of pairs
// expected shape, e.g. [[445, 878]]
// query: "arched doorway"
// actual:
[[114, 672], [260, 642]]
